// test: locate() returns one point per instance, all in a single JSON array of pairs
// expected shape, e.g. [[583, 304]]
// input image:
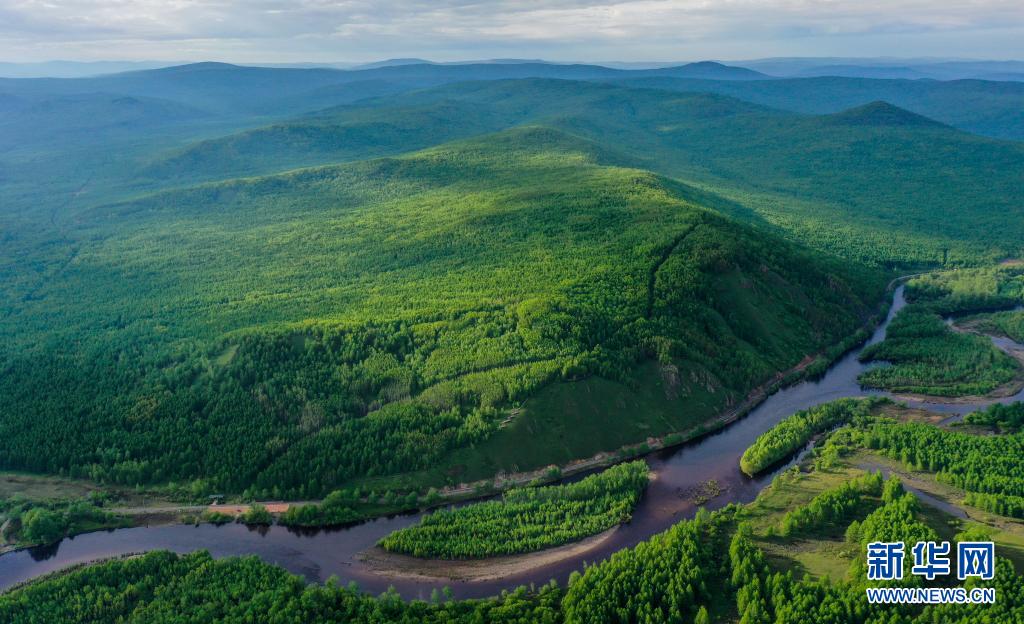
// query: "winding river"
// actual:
[[319, 554]]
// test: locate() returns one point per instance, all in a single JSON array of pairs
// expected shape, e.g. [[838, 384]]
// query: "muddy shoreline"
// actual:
[[396, 565]]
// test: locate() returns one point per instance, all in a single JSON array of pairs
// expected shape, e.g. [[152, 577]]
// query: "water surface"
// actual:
[[318, 555]]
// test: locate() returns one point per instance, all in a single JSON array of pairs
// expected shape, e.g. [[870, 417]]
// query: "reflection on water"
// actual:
[[318, 554], [42, 553]]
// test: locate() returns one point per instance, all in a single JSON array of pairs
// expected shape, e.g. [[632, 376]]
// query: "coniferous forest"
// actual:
[[620, 331], [526, 519]]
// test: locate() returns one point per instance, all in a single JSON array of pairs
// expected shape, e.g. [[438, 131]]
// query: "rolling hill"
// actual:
[[225, 89], [988, 108], [356, 308], [79, 158], [285, 334], [876, 182]]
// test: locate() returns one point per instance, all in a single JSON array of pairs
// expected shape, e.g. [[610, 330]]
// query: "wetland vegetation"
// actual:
[[526, 519]]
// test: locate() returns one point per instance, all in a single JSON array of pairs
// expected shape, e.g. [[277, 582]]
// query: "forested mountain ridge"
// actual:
[[347, 289], [57, 162], [229, 89], [988, 108], [875, 183], [388, 311]]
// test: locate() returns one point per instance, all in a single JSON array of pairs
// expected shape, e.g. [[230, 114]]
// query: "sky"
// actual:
[[252, 31]]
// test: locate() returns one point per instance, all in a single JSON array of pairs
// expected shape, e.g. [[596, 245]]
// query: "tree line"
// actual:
[[795, 431], [526, 519], [708, 569]]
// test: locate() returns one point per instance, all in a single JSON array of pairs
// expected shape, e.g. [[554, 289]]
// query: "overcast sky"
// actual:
[[594, 30]]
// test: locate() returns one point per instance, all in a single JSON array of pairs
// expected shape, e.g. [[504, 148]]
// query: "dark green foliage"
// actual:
[[795, 431], [926, 357], [257, 515], [1007, 418], [526, 519], [337, 508], [984, 465], [42, 526], [387, 314], [45, 523], [216, 517], [163, 587], [665, 579], [832, 507]]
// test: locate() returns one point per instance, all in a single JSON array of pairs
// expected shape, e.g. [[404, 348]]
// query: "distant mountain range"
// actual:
[[245, 96], [934, 69], [913, 69]]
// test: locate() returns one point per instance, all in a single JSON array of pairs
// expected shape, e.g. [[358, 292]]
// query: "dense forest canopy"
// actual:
[[388, 312], [363, 286], [876, 182], [379, 316]]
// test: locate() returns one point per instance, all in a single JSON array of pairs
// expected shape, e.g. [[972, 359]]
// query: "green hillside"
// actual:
[[875, 183], [330, 137], [857, 185], [290, 333]]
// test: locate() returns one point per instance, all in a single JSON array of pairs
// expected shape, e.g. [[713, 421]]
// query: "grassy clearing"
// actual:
[[41, 488], [821, 554]]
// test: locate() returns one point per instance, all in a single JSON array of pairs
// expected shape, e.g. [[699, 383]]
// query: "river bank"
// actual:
[[395, 565], [318, 554]]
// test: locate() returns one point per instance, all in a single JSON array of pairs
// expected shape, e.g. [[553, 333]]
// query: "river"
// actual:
[[319, 554]]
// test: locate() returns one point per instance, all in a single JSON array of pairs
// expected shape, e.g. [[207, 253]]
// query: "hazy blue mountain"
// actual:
[[988, 108], [392, 62], [65, 119], [937, 69], [231, 89], [862, 71], [75, 69]]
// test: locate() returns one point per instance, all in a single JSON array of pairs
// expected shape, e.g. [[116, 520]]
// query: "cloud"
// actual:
[[362, 29]]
